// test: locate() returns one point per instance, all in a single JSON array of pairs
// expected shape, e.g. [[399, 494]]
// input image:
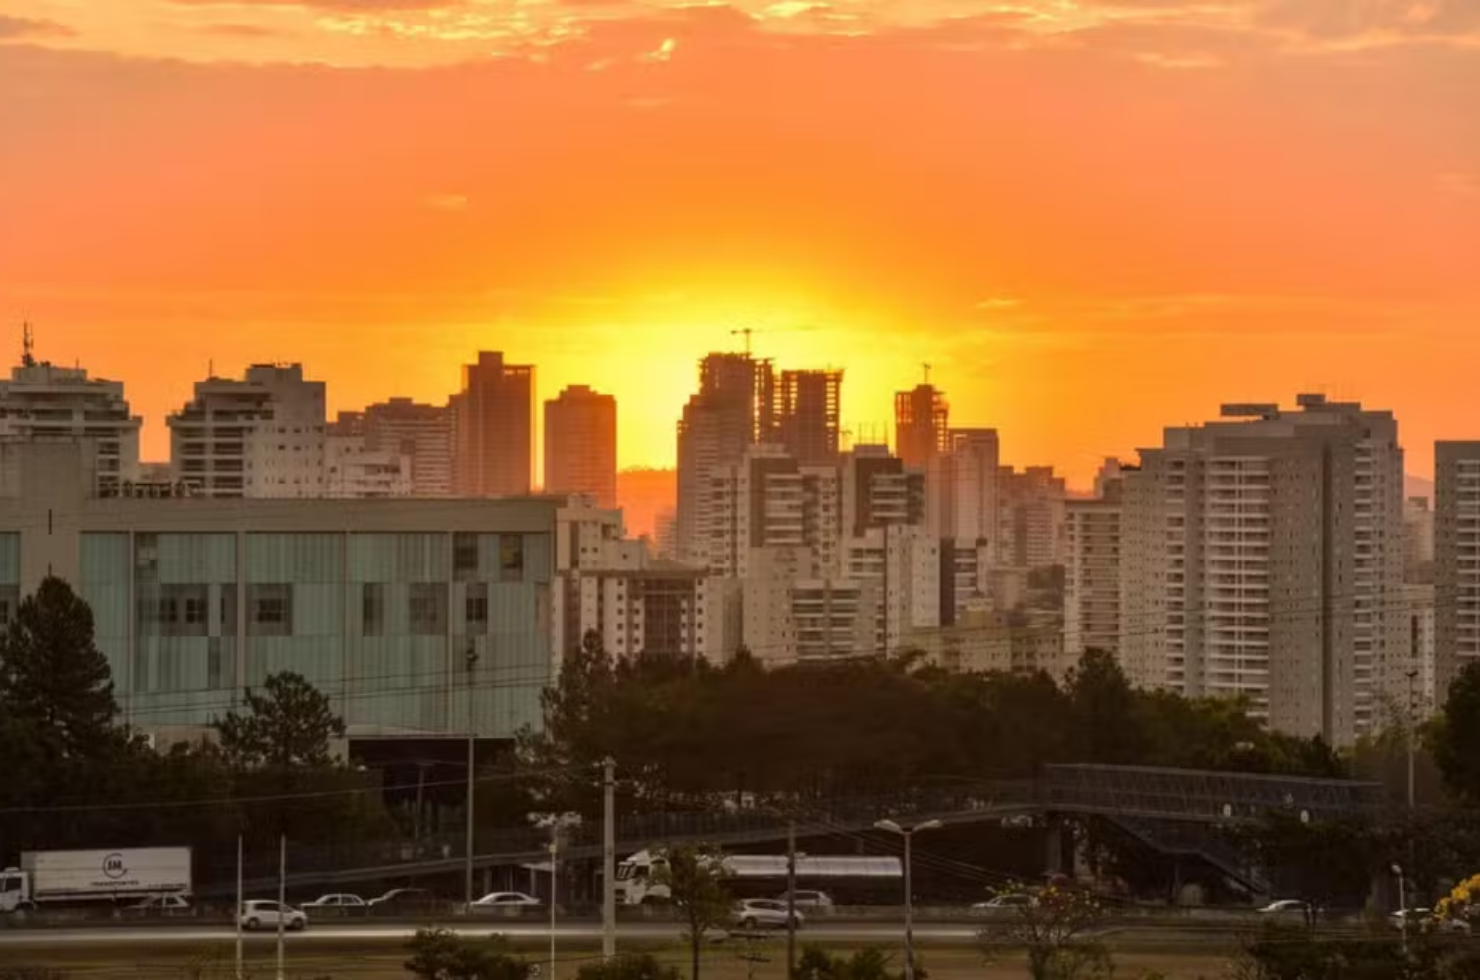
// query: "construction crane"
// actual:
[[746, 332]]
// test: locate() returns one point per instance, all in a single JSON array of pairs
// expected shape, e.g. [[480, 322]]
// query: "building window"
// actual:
[[195, 611], [271, 608], [475, 608], [372, 609], [511, 557], [464, 556], [428, 609]]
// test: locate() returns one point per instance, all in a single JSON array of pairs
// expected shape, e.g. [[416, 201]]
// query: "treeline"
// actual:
[[72, 775], [680, 729]]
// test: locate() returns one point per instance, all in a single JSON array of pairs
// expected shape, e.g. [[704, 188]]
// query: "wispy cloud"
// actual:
[[28, 28]]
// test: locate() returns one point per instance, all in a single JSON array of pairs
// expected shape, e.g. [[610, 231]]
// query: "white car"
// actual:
[[507, 900], [266, 915], [344, 904], [808, 899], [764, 913], [1005, 903], [1422, 920], [1286, 908]]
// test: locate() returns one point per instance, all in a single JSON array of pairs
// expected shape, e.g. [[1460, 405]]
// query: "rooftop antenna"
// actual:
[[926, 366], [28, 345]]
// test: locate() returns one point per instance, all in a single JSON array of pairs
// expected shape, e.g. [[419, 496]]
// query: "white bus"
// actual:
[[756, 875]]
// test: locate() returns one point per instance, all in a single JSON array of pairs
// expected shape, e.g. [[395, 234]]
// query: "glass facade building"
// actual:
[[382, 604]]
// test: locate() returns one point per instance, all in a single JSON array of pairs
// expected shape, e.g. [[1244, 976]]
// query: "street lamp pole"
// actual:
[[1402, 905], [471, 660], [908, 833]]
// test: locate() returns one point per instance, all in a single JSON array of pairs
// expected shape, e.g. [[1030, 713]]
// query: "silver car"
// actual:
[[764, 913]]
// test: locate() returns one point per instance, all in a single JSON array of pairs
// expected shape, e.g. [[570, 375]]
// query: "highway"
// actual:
[[579, 932]]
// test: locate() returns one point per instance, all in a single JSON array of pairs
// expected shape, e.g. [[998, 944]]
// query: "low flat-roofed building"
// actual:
[[376, 602]]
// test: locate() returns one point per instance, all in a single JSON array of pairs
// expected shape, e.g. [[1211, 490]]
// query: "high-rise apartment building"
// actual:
[[493, 423], [353, 470], [1418, 540], [1092, 574], [807, 415], [1030, 525], [421, 432], [261, 436], [962, 485], [1456, 560], [770, 500], [921, 425], [581, 445], [1262, 556], [42, 401], [731, 412]]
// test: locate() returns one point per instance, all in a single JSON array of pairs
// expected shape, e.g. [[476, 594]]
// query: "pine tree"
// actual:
[[54, 681]]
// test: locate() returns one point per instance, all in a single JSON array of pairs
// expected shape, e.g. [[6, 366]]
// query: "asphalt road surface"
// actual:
[[871, 932]]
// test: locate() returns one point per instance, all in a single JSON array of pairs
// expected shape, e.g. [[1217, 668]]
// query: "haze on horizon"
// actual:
[[1094, 218]]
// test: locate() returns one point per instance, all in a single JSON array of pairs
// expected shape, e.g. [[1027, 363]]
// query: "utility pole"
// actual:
[[791, 899], [240, 848], [608, 860], [282, 952], [554, 888], [471, 660]]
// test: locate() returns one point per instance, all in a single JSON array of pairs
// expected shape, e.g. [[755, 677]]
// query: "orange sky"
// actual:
[[1093, 217]]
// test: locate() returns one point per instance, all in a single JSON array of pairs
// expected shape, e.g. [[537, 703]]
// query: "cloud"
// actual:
[[337, 6], [27, 28], [663, 52], [1465, 186], [1341, 19], [241, 30], [447, 202]]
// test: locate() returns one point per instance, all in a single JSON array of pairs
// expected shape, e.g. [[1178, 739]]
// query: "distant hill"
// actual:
[[1414, 486], [645, 494]]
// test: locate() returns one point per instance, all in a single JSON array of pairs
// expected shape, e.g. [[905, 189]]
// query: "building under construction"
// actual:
[[921, 425], [807, 415]]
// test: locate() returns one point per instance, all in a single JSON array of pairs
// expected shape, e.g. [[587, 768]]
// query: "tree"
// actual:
[[53, 678], [1053, 929], [1455, 738], [1103, 706], [1324, 862], [694, 875], [439, 954], [288, 726], [628, 966]]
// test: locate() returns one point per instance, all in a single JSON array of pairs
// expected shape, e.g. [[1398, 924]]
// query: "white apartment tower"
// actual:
[[420, 431], [354, 470], [261, 436], [731, 412], [1456, 561], [1262, 557], [1092, 575], [43, 401]]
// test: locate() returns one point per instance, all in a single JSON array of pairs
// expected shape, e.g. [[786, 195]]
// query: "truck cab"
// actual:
[[15, 890]]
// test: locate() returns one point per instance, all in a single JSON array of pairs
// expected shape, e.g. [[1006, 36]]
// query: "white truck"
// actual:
[[67, 877], [639, 880]]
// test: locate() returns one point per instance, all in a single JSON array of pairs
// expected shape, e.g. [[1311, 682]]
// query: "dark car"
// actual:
[[404, 901]]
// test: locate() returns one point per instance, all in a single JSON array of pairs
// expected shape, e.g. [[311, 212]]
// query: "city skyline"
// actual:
[[1079, 471], [1093, 218]]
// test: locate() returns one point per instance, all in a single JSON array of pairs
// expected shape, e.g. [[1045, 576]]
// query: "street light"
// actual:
[[470, 658], [1402, 906], [908, 833]]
